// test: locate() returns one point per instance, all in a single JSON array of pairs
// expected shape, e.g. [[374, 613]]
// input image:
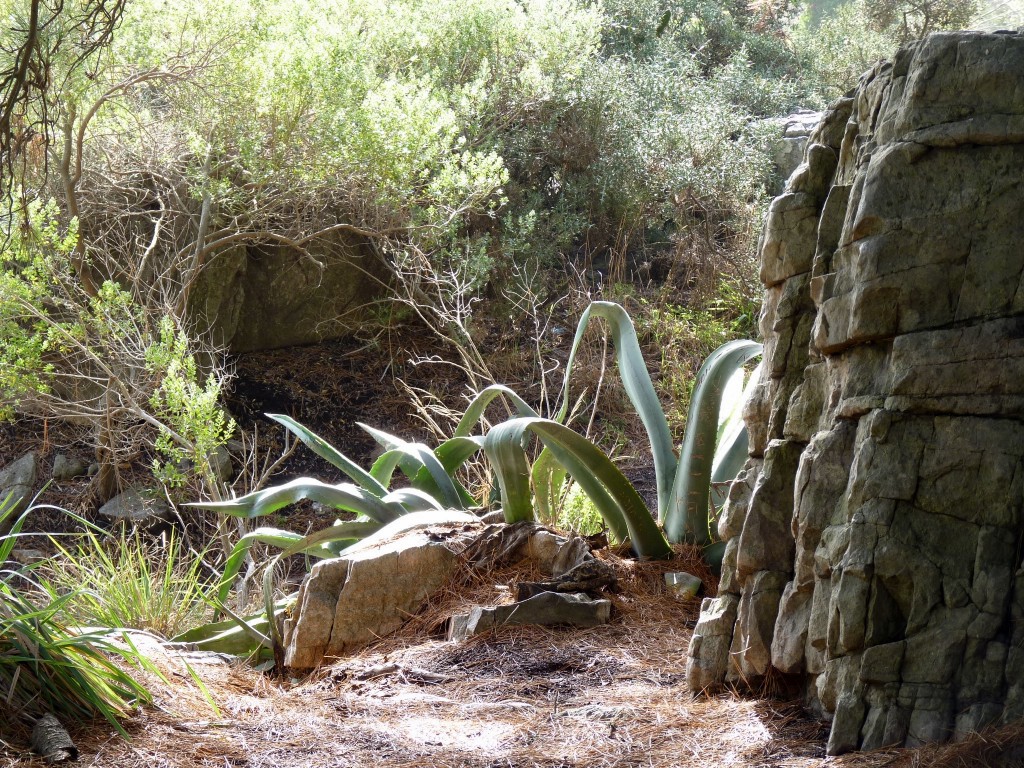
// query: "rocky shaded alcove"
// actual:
[[874, 539]]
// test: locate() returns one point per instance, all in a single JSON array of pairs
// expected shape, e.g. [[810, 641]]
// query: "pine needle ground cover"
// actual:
[[518, 696]]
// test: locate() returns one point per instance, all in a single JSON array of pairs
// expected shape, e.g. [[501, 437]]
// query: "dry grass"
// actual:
[[515, 697]]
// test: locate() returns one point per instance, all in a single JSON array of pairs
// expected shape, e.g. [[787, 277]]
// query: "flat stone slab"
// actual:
[[547, 608], [683, 585]]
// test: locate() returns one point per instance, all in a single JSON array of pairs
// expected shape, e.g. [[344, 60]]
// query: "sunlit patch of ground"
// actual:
[[514, 698]]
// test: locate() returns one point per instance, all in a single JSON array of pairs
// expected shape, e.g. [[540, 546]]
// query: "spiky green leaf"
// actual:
[[637, 383], [328, 452], [613, 495], [345, 496]]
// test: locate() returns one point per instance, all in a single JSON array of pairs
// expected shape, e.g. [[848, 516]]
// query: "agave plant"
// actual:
[[684, 481], [433, 488]]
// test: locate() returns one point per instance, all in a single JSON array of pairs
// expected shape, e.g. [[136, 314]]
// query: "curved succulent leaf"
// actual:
[[452, 454], [414, 500], [637, 383], [483, 398], [612, 494], [688, 512], [504, 449], [410, 458], [328, 452], [238, 636], [313, 545]]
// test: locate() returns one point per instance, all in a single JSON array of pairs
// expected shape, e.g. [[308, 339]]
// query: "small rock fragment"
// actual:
[[682, 585]]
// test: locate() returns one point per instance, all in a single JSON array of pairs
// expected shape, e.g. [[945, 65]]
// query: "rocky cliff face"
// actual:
[[875, 538]]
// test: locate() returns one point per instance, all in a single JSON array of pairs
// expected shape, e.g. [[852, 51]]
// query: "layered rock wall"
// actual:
[[875, 538]]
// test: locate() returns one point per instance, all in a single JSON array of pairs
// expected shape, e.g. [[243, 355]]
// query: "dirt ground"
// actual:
[[512, 698]]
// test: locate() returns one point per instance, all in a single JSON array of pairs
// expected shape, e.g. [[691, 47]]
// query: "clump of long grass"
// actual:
[[48, 666], [125, 581]]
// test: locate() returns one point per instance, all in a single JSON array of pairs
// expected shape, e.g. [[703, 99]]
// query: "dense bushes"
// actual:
[[456, 138]]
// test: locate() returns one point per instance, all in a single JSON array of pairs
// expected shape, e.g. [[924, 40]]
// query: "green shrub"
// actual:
[[103, 358], [839, 49]]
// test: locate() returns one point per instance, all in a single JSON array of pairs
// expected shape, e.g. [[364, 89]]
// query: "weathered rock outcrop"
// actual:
[[349, 601], [374, 586], [874, 542], [788, 147], [263, 296]]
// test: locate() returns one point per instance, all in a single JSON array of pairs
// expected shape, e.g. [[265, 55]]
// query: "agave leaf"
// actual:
[[313, 545], [326, 451], [612, 494], [504, 449], [584, 476], [483, 398], [410, 457], [406, 461], [548, 480], [344, 496], [687, 514], [456, 451], [414, 500], [452, 454], [637, 383], [237, 636]]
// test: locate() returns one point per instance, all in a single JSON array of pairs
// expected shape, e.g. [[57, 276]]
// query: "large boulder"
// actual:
[[348, 601], [377, 584], [265, 296], [878, 555]]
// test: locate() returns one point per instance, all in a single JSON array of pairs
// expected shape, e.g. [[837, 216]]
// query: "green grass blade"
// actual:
[[326, 451], [687, 515]]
